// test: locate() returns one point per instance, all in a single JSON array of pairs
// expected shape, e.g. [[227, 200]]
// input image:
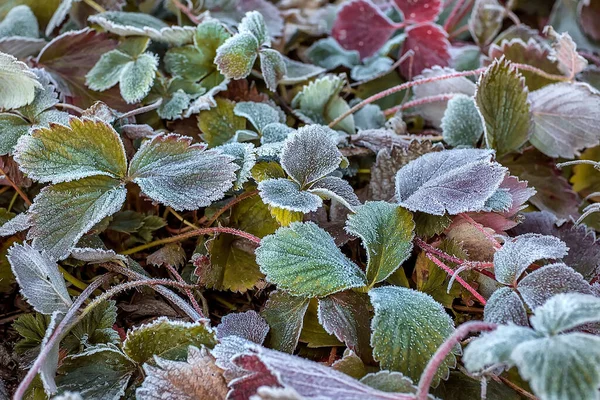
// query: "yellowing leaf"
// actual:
[[219, 124], [64, 153]]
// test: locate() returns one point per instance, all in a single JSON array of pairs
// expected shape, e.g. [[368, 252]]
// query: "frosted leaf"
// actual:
[[297, 72], [308, 378], [21, 47], [319, 102], [165, 338], [41, 283], [254, 24], [308, 248], [386, 231], [248, 325], [566, 311], [244, 157], [108, 70], [389, 381], [371, 68], [172, 171], [96, 256], [418, 11], [332, 187], [495, 348], [17, 83], [207, 100], [565, 52], [48, 369], [12, 127], [17, 224], [276, 393], [503, 104], [173, 106], [561, 367], [99, 372], [310, 154], [68, 396], [543, 283], [461, 125], [407, 329], [434, 112], [19, 21], [566, 119], [64, 153], [369, 117], [347, 315], [259, 114], [61, 214], [273, 67], [518, 253], [453, 181], [500, 201], [327, 53], [236, 56], [140, 24], [198, 378], [584, 249], [285, 315], [286, 194], [504, 307], [486, 21], [137, 77]]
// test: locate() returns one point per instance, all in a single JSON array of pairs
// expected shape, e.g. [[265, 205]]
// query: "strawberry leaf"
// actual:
[[430, 45], [416, 11], [505, 306], [285, 315], [462, 125], [17, 83]]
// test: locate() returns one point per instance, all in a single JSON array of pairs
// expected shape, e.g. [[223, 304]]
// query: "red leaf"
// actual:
[[419, 10], [360, 25], [430, 44]]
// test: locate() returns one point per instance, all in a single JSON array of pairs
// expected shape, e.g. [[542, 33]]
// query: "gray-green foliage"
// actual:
[[461, 124], [558, 363]]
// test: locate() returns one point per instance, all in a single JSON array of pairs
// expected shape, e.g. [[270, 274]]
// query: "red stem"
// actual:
[[458, 279], [419, 102], [440, 355], [188, 292], [457, 13]]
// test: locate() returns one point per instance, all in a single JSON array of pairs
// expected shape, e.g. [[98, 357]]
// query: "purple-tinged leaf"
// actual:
[[430, 45], [248, 325], [505, 306], [285, 315], [347, 315], [584, 249], [518, 253], [538, 286], [416, 11], [360, 25], [566, 119], [21, 47], [453, 181], [565, 53]]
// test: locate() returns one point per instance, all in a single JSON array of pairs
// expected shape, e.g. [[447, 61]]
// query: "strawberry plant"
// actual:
[[257, 199]]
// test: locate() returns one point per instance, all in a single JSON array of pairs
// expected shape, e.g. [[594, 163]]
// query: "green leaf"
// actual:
[[236, 56], [260, 115], [198, 378], [17, 83], [137, 78], [297, 72], [32, 328], [64, 153], [327, 53], [219, 124], [386, 231], [99, 372], [108, 70], [94, 329], [505, 306], [254, 24], [285, 315], [20, 21], [371, 68], [319, 102], [313, 333], [462, 125], [502, 101], [408, 328], [245, 158], [486, 21], [273, 67], [42, 285], [389, 381], [166, 339], [195, 62], [286, 194], [306, 247], [62, 213], [171, 170], [561, 367]]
